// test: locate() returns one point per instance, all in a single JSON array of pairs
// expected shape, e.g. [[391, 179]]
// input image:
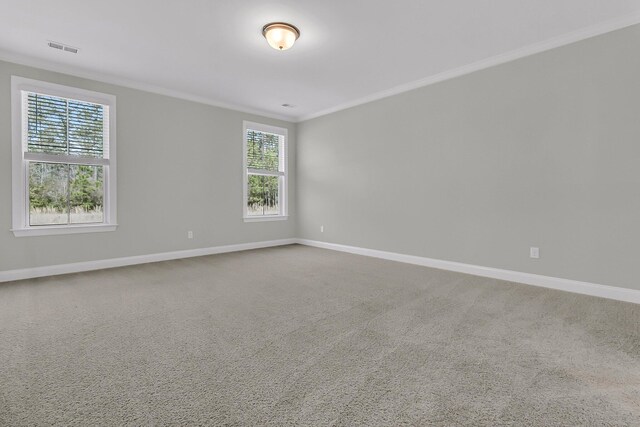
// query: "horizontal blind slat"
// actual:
[[58, 125], [263, 151]]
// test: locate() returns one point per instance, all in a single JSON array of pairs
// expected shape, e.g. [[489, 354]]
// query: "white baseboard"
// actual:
[[52, 270], [586, 288]]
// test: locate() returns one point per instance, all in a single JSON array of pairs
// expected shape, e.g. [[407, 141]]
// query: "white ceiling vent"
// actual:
[[60, 46]]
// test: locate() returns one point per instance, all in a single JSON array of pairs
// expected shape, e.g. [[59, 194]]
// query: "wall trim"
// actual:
[[568, 285], [562, 40], [532, 49], [575, 286], [133, 84], [53, 270]]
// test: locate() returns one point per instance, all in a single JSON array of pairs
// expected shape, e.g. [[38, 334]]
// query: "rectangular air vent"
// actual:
[[61, 46]]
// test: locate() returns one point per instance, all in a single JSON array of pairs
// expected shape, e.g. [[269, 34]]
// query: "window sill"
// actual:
[[63, 229], [266, 218]]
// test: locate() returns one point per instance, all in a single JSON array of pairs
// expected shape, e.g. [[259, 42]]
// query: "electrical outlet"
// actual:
[[322, 228], [189, 234], [534, 252]]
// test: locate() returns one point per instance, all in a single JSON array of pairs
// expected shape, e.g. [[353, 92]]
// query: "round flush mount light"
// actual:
[[280, 35]]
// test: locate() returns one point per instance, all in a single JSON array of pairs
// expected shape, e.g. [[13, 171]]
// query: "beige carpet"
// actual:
[[303, 336]]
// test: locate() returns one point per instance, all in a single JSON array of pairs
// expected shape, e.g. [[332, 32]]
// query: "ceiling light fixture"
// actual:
[[279, 35]]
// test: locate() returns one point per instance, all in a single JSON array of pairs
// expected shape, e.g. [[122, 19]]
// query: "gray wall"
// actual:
[[179, 168], [543, 151]]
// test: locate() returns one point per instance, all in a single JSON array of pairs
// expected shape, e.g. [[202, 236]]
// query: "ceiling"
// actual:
[[349, 51]]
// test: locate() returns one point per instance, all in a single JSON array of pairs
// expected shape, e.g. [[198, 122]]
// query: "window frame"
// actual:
[[284, 175], [19, 164]]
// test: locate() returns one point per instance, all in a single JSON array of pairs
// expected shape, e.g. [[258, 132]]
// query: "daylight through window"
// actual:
[[265, 172], [65, 158]]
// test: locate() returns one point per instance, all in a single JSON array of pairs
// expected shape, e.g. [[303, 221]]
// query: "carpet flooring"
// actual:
[[303, 336]]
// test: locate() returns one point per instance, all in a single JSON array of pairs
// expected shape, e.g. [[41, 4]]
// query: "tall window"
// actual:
[[63, 159], [265, 172]]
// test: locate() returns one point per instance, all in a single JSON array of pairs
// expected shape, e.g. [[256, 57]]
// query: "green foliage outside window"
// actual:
[[62, 186], [66, 127], [263, 154]]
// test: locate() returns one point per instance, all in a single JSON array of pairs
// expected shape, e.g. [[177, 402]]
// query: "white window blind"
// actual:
[[65, 126]]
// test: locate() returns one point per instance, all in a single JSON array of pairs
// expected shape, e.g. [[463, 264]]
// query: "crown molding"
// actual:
[[532, 49], [131, 84]]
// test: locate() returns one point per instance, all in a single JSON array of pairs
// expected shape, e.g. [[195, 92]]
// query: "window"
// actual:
[[265, 172], [64, 174]]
